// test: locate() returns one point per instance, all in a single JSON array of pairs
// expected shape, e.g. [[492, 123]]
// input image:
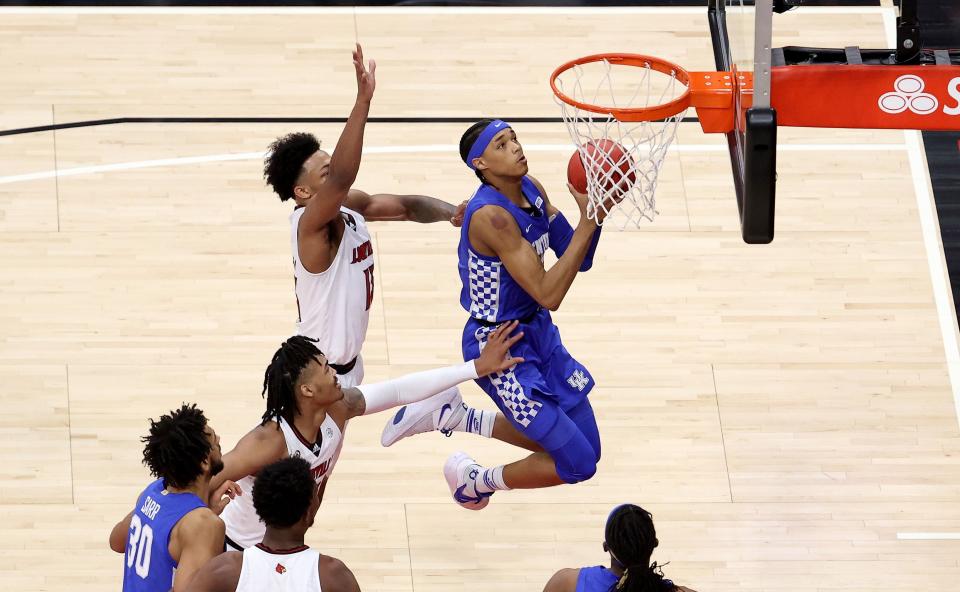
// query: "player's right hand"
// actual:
[[583, 202], [366, 78], [587, 208], [222, 496], [494, 356]]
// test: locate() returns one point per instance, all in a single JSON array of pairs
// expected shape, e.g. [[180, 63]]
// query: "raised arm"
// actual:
[[494, 230], [561, 233], [413, 208], [260, 447], [345, 160], [380, 396]]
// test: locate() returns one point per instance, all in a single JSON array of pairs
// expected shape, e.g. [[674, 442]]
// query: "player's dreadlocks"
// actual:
[[282, 492], [468, 138], [284, 161], [177, 446], [631, 539], [280, 379]]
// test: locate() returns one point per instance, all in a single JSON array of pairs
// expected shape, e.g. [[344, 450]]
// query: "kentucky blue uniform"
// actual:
[[601, 579], [545, 397], [147, 565]]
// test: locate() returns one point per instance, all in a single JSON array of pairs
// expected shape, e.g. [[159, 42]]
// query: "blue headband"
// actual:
[[483, 140]]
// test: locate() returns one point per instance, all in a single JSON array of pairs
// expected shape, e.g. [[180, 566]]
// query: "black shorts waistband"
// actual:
[[342, 369], [230, 545]]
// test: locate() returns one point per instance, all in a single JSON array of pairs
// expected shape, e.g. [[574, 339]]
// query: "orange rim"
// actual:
[[665, 110]]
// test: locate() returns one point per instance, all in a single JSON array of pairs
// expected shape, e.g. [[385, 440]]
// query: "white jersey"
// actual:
[[334, 306], [293, 570], [244, 527]]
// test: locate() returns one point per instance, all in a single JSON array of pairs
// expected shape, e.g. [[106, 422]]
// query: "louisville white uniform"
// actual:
[[294, 570], [334, 305], [244, 528]]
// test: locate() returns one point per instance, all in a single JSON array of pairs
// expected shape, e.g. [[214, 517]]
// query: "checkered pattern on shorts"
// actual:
[[484, 288], [509, 388]]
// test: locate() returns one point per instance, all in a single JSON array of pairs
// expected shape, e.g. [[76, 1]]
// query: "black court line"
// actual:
[[119, 120]]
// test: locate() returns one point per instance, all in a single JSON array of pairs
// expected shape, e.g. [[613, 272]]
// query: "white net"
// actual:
[[621, 159]]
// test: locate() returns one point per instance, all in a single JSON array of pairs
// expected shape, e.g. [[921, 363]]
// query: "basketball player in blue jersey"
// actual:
[[286, 498], [629, 540], [171, 532], [508, 224]]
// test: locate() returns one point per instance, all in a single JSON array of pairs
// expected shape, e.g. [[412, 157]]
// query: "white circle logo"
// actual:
[[908, 94]]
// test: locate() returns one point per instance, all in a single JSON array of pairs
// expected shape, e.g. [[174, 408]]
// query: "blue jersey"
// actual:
[[489, 293], [148, 566], [601, 579]]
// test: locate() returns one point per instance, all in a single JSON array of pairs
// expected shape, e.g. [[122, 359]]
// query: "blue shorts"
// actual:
[[545, 396]]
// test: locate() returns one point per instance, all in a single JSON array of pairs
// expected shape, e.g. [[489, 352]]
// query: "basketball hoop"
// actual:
[[636, 101]]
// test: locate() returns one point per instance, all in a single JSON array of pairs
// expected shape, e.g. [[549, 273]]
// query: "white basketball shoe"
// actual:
[[441, 412], [461, 473]]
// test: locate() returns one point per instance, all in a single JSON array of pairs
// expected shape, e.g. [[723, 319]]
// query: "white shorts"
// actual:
[[354, 377]]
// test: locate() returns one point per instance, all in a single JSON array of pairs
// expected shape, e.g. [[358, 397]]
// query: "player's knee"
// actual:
[[580, 470]]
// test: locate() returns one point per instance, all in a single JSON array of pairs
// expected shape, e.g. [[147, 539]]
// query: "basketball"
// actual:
[[612, 165]]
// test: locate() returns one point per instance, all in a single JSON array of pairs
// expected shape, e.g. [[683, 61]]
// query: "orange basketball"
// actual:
[[612, 166]]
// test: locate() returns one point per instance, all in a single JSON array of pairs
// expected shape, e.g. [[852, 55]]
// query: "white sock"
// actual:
[[478, 422], [490, 480]]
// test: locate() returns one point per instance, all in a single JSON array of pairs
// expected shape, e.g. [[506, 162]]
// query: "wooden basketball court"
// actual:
[[785, 411]]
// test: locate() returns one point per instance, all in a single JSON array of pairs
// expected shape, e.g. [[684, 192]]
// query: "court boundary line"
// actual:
[[932, 243], [411, 149], [928, 536], [277, 119]]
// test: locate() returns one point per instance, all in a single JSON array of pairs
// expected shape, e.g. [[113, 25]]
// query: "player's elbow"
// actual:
[[117, 543], [550, 301]]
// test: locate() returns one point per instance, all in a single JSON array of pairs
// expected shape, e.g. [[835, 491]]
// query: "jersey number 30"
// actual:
[[141, 542]]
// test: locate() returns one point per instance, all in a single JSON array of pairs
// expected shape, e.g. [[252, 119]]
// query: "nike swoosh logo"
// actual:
[[446, 407], [528, 228], [399, 416], [497, 124], [458, 495]]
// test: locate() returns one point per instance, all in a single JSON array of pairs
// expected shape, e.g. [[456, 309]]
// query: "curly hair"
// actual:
[[282, 492], [468, 138], [284, 161], [177, 446]]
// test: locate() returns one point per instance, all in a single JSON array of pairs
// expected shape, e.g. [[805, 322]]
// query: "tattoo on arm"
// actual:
[[356, 404], [425, 209]]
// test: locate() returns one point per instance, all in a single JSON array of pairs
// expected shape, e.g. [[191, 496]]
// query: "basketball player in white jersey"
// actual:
[[332, 252], [286, 499], [307, 412]]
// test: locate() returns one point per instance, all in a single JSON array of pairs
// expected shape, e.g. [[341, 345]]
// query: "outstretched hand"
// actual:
[[366, 78], [457, 218], [494, 356]]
